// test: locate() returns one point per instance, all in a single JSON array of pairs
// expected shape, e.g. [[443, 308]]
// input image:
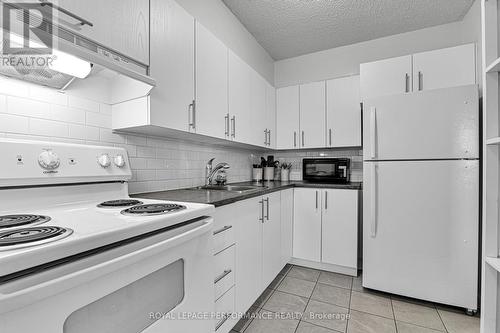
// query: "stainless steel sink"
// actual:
[[231, 188]]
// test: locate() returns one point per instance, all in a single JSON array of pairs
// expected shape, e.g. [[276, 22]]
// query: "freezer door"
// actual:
[[420, 229], [434, 124]]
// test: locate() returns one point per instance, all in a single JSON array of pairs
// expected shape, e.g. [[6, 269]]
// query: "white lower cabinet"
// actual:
[[257, 252], [286, 226], [325, 228], [307, 224]]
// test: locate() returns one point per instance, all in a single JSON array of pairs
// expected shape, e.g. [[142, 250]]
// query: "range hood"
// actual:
[[78, 58]]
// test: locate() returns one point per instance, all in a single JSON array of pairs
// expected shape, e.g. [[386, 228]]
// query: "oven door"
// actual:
[[152, 285]]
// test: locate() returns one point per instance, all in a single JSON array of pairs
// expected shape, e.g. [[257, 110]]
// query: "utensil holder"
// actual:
[[268, 173], [257, 174], [285, 175]]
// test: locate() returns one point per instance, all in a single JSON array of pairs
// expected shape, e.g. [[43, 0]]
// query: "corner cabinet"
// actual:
[[325, 229]]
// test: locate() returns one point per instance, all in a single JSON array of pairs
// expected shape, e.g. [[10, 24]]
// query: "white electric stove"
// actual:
[[80, 255]]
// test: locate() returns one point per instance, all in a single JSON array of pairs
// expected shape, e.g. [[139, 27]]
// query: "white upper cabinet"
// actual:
[[258, 109], [239, 100], [122, 25], [211, 84], [271, 115], [287, 118], [386, 77], [450, 67], [307, 224], [312, 115], [172, 65], [444, 68], [343, 116]]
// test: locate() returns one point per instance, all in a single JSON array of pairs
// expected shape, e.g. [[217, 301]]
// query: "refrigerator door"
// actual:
[[434, 124], [420, 233]]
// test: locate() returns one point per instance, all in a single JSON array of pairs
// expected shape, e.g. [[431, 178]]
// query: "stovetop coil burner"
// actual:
[[32, 236], [119, 203], [152, 209], [17, 220]]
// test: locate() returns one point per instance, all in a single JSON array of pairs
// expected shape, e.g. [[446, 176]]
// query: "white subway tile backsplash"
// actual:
[[67, 114], [105, 108], [48, 128], [146, 151], [82, 103], [13, 87], [98, 119], [27, 107], [13, 124], [107, 135], [47, 95]]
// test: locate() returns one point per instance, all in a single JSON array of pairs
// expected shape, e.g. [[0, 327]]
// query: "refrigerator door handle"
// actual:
[[373, 200], [373, 124]]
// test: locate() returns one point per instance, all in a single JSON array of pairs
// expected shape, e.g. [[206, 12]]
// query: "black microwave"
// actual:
[[326, 170]]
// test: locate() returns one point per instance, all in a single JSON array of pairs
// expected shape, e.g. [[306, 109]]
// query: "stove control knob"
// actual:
[[48, 160], [104, 160], [119, 161]]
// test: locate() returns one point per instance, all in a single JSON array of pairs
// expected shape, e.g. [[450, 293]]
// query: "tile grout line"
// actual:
[[307, 304], [394, 315], [441, 318]]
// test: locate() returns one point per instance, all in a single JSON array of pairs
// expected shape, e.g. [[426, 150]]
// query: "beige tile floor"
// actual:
[[304, 300]]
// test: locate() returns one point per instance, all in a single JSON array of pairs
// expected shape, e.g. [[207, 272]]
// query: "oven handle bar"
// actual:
[[14, 299]]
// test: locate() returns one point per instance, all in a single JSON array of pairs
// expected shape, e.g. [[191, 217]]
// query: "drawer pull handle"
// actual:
[[223, 275], [226, 227], [225, 317]]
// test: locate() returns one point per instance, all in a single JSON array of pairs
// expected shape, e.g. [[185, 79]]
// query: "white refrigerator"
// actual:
[[421, 195]]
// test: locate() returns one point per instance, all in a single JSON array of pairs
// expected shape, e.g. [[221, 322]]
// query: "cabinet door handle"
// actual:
[[224, 228], [223, 275], [267, 208], [316, 199], [226, 125], [294, 139], [190, 115], [261, 211], [303, 139], [373, 193], [373, 134], [330, 136], [225, 317], [265, 137], [194, 114], [420, 81], [326, 200], [233, 121], [269, 138], [407, 82], [67, 12]]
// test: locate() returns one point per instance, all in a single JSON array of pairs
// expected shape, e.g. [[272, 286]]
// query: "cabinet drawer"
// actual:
[[224, 271], [224, 307], [223, 237]]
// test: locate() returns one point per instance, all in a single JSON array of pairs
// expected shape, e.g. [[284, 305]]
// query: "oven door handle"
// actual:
[[13, 298]]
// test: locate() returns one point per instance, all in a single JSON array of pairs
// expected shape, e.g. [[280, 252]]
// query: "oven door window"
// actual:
[[132, 308]]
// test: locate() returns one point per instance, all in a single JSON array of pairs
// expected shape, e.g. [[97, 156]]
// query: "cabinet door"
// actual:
[[287, 118], [172, 65], [271, 115], [239, 100], [258, 109], [286, 225], [248, 266], [343, 112], [312, 115], [307, 224], [386, 77], [339, 244], [211, 84], [450, 67], [271, 236], [122, 25]]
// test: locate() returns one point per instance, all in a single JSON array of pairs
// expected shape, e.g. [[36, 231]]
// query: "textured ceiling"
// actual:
[[288, 28]]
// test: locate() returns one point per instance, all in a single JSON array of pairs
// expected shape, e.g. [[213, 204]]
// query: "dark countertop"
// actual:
[[220, 198]]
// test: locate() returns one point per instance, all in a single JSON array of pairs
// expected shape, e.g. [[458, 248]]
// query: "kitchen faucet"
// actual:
[[210, 172]]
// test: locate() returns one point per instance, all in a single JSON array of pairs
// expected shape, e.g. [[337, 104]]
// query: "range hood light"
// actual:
[[68, 64]]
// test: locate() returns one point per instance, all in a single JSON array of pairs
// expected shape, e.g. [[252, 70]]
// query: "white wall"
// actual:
[[345, 60], [217, 18]]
